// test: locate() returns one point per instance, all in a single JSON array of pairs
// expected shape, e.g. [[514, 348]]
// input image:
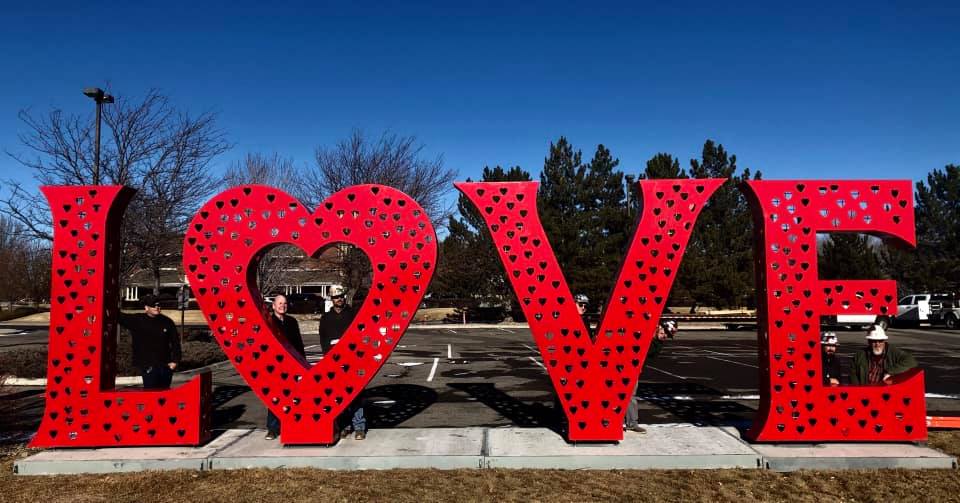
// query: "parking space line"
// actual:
[[534, 360], [531, 349], [665, 372], [505, 330], [451, 331], [449, 351], [731, 361], [433, 370]]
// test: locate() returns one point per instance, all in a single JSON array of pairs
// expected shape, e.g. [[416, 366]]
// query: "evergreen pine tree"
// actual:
[[848, 256], [583, 208], [469, 268], [717, 269], [663, 166], [935, 263], [561, 181]]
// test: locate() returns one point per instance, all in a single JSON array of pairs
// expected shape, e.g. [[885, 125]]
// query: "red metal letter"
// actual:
[[82, 408], [222, 247], [794, 404], [594, 380]]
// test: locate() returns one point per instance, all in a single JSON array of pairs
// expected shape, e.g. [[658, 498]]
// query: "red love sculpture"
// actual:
[[795, 406], [220, 254], [594, 379], [82, 407]]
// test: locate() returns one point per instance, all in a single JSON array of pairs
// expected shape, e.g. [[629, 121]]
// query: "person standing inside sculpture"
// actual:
[[333, 324], [632, 419], [287, 328], [879, 362], [156, 344], [829, 359]]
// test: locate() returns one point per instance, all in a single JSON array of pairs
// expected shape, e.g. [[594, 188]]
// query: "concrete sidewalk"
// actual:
[[662, 447]]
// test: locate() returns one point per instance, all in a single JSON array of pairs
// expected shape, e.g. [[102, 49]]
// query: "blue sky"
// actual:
[[803, 91]]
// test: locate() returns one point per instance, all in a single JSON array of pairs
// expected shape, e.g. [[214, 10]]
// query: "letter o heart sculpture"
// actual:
[[220, 255]]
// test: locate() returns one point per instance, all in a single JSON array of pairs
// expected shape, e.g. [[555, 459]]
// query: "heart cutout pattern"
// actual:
[[795, 406], [222, 245]]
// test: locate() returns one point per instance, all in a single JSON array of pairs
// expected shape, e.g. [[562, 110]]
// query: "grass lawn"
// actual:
[[490, 485]]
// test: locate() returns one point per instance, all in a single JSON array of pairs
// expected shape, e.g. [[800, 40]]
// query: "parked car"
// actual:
[[304, 303]]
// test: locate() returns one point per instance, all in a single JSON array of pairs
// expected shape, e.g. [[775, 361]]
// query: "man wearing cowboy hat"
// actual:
[[879, 362]]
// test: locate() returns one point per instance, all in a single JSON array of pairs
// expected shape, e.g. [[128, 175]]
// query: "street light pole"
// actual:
[[100, 98]]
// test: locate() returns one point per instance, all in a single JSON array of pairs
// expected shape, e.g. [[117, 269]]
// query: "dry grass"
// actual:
[[488, 485], [947, 441]]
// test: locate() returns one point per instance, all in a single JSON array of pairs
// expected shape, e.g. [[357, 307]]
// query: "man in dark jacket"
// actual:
[[333, 324], [156, 344], [879, 362], [829, 359], [289, 329]]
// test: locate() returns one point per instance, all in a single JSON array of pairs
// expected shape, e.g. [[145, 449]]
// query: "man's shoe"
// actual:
[[360, 435], [345, 434], [636, 429], [271, 435]]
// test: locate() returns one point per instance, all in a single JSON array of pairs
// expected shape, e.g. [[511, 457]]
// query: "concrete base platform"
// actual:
[[125, 459], [662, 447], [446, 448], [788, 458]]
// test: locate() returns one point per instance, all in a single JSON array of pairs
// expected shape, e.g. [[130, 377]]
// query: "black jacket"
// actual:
[[333, 325], [831, 367], [155, 339], [290, 329]]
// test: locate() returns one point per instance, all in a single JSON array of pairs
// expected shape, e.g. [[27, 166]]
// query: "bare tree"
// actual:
[[393, 160], [276, 265], [261, 169], [149, 145], [396, 161], [24, 263]]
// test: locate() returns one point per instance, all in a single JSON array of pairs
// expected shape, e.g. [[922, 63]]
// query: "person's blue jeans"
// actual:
[[157, 377], [273, 422], [357, 420]]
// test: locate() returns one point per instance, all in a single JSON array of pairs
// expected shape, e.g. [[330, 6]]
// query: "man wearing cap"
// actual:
[[333, 324], [289, 329], [156, 344], [829, 359], [879, 362]]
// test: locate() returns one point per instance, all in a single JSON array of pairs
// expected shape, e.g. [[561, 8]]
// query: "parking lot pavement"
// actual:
[[454, 377], [494, 376]]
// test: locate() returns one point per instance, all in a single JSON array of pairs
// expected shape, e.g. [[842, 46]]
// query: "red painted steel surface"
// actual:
[[594, 380], [221, 249], [82, 408], [794, 406]]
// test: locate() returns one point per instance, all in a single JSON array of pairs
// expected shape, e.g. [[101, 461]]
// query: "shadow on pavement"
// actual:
[[390, 405], [694, 403], [224, 416], [519, 413]]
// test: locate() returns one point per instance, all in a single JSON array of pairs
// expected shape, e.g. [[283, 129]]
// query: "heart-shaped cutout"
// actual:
[[231, 232]]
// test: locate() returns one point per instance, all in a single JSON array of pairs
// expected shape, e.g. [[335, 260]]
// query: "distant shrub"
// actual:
[[24, 362], [200, 354], [198, 334], [32, 362]]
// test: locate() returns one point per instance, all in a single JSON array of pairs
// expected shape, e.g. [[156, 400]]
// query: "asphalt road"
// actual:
[[454, 377]]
